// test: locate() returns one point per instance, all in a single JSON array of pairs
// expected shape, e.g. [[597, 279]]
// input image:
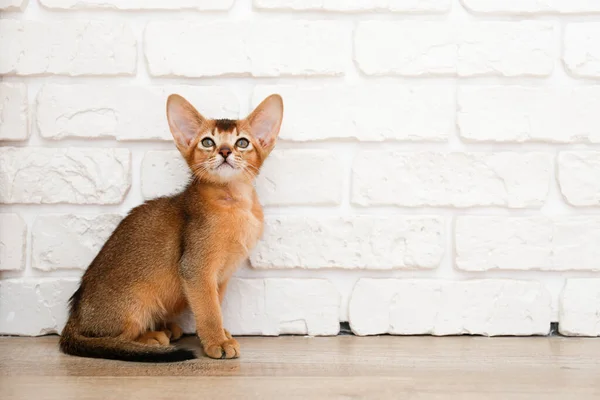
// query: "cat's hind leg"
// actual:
[[173, 331], [155, 338]]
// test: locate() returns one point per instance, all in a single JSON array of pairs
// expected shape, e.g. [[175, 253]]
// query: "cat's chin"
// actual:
[[226, 172]]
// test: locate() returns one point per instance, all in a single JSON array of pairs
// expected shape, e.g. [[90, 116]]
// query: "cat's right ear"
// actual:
[[185, 121]]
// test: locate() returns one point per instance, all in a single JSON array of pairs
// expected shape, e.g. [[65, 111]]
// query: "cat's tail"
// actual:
[[72, 342]]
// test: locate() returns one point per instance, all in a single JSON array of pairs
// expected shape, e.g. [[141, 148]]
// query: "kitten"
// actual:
[[178, 251]]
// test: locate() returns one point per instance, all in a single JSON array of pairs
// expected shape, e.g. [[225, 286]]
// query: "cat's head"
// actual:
[[223, 150]]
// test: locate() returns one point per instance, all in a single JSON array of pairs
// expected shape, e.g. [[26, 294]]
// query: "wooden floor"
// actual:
[[343, 367]]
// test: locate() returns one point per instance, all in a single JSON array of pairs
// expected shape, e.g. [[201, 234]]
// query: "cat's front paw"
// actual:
[[230, 348]]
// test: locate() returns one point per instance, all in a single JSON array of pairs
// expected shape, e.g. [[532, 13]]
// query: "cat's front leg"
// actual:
[[203, 297], [222, 289]]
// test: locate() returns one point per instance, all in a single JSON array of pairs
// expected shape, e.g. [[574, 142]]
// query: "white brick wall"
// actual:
[[438, 168], [579, 313], [11, 5], [478, 307], [247, 48], [579, 177], [69, 241], [421, 6], [532, 6], [365, 242], [512, 180], [464, 49], [582, 49], [555, 244], [48, 47], [14, 110], [204, 5], [511, 113], [13, 242], [121, 112], [69, 175], [346, 112]]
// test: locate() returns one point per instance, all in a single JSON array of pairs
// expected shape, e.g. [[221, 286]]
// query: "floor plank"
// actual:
[[335, 367]]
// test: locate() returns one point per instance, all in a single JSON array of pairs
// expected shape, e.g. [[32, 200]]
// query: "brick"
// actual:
[[203, 5], [579, 177], [463, 49], [514, 180], [68, 241], [247, 48], [164, 173], [365, 112], [528, 243], [50, 48], [579, 308], [428, 6], [532, 6], [318, 177], [489, 307], [274, 306], [529, 114], [36, 175], [13, 242], [581, 55], [14, 111], [124, 112], [357, 242], [34, 307], [12, 5]]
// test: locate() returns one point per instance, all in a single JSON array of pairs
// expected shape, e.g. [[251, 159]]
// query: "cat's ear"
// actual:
[[185, 121], [265, 121]]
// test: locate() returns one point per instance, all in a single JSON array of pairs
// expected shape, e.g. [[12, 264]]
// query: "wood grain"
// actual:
[[318, 368]]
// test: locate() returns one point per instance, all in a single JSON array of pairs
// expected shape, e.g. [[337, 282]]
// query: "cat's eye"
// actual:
[[242, 143], [208, 142]]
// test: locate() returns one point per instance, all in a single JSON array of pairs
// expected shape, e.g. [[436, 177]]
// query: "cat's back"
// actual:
[[148, 238]]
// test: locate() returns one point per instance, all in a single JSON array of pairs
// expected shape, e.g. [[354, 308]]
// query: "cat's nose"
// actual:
[[225, 151]]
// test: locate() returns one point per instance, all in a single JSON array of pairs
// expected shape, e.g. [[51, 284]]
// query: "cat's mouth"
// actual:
[[225, 165]]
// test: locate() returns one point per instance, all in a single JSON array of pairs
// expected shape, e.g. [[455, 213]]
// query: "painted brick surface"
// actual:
[[579, 177], [37, 175], [527, 243], [48, 48], [368, 113], [67, 241], [488, 307], [532, 6], [13, 242], [582, 49], [464, 49], [34, 307], [514, 180], [202, 5], [358, 242], [247, 48], [517, 113], [579, 310], [14, 111], [417, 6], [124, 112]]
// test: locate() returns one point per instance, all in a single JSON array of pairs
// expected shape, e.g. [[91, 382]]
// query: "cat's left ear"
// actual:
[[265, 121], [185, 121]]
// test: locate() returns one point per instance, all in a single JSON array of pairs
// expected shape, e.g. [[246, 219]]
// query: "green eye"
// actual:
[[242, 143], [207, 142]]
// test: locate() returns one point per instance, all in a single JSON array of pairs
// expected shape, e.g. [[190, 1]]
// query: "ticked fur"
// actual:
[[178, 251]]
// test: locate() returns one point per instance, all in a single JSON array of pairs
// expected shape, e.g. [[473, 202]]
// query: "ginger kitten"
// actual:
[[181, 250]]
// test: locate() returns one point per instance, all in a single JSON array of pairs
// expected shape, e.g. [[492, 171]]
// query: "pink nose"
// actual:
[[225, 151]]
